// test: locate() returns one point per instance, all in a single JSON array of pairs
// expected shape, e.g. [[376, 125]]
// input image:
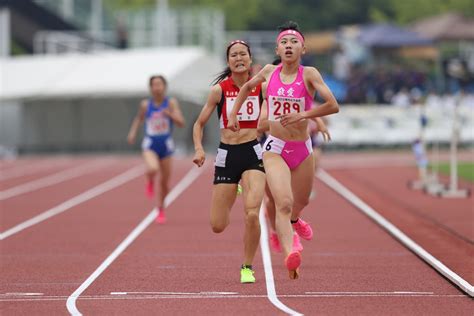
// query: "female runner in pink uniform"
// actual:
[[287, 150]]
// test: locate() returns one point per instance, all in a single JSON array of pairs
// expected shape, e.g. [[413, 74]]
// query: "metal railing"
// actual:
[[61, 42], [150, 27]]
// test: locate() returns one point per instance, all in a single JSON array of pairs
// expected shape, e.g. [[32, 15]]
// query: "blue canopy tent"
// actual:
[[337, 87]]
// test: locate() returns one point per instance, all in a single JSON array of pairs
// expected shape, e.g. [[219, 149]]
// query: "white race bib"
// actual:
[[157, 124], [249, 111], [284, 105]]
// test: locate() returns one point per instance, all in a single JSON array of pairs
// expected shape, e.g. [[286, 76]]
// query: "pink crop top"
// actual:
[[287, 98]]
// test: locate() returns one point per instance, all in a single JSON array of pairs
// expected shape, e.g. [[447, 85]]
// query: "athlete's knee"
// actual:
[[152, 169], [252, 204], [218, 227], [284, 205], [251, 218]]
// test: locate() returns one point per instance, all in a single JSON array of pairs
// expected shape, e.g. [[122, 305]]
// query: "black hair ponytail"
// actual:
[[222, 75]]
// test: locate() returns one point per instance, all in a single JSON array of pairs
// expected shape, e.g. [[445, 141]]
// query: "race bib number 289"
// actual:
[[284, 105], [249, 111]]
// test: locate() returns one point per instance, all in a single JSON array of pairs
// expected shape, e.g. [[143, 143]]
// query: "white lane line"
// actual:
[[407, 293], [267, 265], [85, 196], [395, 232], [367, 164], [31, 167], [174, 293], [23, 294], [197, 296], [51, 179], [189, 178]]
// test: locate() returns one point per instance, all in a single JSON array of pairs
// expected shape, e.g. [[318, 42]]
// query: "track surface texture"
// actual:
[[351, 267]]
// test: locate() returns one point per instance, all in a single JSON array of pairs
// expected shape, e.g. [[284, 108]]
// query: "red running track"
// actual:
[[351, 267]]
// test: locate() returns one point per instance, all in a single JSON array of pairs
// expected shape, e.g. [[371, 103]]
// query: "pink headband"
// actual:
[[291, 32]]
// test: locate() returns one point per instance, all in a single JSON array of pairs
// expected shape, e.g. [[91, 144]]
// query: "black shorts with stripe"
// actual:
[[233, 160]]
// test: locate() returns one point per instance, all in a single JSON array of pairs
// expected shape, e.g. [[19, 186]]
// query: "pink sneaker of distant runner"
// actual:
[[293, 261], [275, 242], [303, 229], [297, 246], [149, 190], [161, 218]]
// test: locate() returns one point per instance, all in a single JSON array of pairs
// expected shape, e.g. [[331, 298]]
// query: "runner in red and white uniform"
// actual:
[[239, 156]]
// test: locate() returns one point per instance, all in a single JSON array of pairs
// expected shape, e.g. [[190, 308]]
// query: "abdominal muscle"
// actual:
[[294, 132], [242, 136]]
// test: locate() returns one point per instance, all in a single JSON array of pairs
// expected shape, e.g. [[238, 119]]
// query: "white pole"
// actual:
[[4, 32], [453, 191], [161, 22], [96, 19], [187, 28], [68, 8], [453, 186], [432, 185], [219, 31]]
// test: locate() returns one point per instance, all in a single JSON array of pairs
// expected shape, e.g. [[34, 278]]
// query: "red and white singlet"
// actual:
[[250, 110]]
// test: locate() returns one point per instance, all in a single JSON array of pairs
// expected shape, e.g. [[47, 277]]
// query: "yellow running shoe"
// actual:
[[246, 275], [239, 189]]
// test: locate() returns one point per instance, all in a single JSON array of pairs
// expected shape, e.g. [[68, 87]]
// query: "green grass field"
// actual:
[[465, 170]]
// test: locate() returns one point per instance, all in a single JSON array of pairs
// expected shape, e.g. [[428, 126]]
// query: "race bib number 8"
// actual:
[[284, 105], [249, 111]]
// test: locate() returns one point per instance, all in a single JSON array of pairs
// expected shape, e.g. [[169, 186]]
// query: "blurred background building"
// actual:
[[72, 72]]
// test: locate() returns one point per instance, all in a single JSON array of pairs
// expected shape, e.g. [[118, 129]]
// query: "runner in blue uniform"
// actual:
[[159, 113]]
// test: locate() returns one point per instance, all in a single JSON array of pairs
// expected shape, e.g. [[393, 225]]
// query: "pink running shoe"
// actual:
[[275, 242], [161, 218], [292, 262], [303, 229], [149, 190], [297, 246]]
